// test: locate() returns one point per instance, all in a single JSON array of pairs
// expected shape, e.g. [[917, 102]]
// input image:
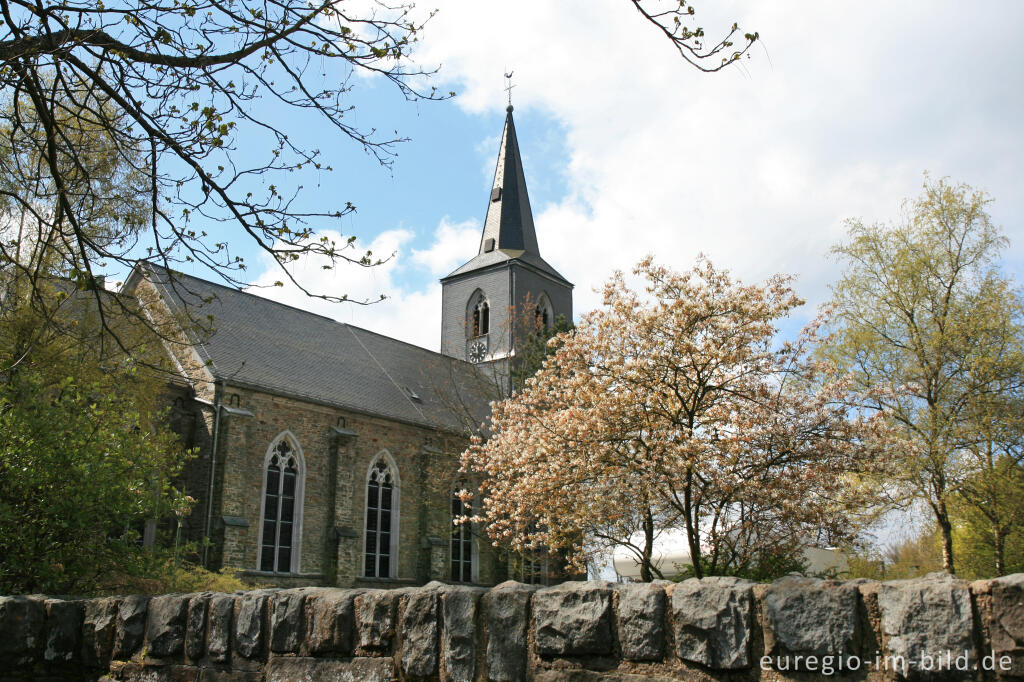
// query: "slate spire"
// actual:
[[509, 224]]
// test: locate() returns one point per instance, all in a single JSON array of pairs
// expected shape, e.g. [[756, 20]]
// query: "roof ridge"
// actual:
[[307, 312], [248, 293]]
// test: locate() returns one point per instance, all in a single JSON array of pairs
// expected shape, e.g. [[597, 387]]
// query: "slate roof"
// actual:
[[509, 233], [267, 345]]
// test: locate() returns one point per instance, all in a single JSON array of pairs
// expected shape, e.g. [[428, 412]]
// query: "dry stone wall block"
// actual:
[[219, 627], [458, 636], [926, 620], [195, 626], [63, 630], [419, 632], [331, 616], [287, 621], [250, 624], [573, 619], [712, 618], [419, 626], [319, 670], [1006, 625], [641, 621], [22, 622], [131, 626], [165, 625], [375, 618], [809, 617], [505, 611], [98, 629]]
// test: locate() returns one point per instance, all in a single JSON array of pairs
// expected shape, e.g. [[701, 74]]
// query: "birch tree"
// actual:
[[925, 317]]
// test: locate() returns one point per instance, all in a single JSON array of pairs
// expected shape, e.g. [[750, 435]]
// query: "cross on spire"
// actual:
[[508, 88]]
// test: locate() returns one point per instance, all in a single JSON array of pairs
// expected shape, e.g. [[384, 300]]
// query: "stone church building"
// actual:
[[328, 454]]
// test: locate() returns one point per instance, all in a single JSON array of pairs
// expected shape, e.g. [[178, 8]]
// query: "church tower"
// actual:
[[486, 303]]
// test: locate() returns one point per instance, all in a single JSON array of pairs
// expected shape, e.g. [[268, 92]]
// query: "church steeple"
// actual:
[[486, 302], [508, 226]]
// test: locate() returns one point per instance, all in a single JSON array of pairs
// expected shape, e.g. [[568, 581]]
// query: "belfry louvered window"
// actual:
[[282, 508], [481, 318], [381, 520]]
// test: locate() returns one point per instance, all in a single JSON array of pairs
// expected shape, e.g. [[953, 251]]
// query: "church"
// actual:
[[328, 454]]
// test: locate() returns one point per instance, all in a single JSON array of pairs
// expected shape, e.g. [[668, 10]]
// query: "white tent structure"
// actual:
[[672, 557]]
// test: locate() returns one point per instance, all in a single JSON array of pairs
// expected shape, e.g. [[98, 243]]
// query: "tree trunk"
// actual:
[[946, 528], [998, 539], [692, 535], [646, 573]]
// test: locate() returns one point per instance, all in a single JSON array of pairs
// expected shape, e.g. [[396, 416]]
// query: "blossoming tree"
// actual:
[[675, 408]]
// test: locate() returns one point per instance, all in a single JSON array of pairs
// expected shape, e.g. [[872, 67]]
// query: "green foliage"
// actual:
[[988, 532], [865, 566], [161, 573], [916, 556], [931, 331], [766, 567], [84, 461]]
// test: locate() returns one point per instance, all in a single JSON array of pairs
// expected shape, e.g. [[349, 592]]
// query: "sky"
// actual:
[[838, 112]]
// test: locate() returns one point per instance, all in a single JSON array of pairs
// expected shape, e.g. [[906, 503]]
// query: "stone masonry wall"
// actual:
[[712, 629], [335, 490]]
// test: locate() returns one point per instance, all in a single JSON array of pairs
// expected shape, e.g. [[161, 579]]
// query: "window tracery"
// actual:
[[381, 519], [280, 521]]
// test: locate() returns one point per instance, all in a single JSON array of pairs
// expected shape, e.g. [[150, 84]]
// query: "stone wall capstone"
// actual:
[[932, 628]]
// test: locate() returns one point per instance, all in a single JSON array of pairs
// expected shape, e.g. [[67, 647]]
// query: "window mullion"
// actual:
[[280, 506]]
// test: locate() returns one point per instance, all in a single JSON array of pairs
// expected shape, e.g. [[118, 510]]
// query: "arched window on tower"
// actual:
[[463, 563], [543, 314], [479, 315], [284, 473], [380, 558]]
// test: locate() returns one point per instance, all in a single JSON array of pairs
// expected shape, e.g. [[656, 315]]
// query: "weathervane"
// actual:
[[508, 88]]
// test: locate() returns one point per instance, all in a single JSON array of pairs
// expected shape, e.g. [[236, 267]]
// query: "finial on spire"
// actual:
[[508, 89]]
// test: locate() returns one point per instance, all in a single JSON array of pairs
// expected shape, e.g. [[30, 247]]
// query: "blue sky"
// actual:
[[629, 151]]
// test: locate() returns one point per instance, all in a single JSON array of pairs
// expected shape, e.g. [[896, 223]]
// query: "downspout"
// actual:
[[217, 407], [511, 311]]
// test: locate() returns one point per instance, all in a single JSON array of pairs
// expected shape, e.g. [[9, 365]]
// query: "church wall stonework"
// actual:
[[932, 628], [336, 468]]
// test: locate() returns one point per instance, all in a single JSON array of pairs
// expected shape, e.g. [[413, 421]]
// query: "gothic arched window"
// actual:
[[479, 315], [462, 549], [284, 473], [382, 493], [543, 315]]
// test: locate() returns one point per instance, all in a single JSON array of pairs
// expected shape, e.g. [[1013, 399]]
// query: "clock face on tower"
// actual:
[[477, 351]]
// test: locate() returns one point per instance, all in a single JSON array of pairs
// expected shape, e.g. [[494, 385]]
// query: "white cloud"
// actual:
[[835, 116], [451, 247], [407, 313], [404, 314]]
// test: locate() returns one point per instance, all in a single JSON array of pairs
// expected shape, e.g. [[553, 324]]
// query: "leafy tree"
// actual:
[[988, 503], [672, 408], [988, 517], [169, 88], [83, 459], [929, 329]]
